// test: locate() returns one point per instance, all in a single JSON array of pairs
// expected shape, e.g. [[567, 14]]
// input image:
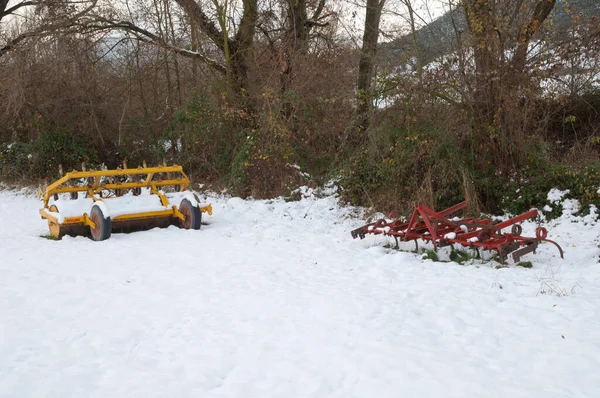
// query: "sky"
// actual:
[[395, 16]]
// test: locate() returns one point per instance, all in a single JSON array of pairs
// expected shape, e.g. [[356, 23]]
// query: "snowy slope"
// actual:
[[274, 299]]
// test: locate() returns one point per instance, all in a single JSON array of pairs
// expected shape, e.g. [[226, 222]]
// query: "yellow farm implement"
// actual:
[[99, 202]]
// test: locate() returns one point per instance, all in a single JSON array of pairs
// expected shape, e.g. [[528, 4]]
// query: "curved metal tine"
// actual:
[[557, 246]]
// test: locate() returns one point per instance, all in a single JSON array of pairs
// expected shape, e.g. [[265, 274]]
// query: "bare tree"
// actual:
[[496, 30], [229, 30], [47, 18], [367, 61]]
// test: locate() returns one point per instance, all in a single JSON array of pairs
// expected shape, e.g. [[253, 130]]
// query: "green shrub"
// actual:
[[461, 257], [398, 167], [431, 255], [15, 160], [531, 189], [61, 148]]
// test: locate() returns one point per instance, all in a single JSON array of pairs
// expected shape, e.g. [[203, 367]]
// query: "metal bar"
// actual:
[[516, 255], [427, 221], [163, 199], [453, 209], [87, 221], [51, 189], [522, 217], [562, 255], [126, 185], [46, 216], [436, 216], [117, 172], [409, 229]]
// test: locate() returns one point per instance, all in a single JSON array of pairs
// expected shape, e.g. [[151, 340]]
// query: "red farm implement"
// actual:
[[440, 230]]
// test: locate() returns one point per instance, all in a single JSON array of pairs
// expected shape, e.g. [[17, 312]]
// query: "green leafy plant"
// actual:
[[525, 264], [461, 257], [430, 255]]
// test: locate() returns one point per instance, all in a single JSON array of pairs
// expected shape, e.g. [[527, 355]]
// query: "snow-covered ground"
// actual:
[[275, 299]]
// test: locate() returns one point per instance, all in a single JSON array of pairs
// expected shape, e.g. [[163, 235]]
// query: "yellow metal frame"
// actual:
[[95, 187]]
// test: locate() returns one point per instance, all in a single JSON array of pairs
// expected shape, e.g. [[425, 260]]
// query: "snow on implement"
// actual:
[[99, 202], [437, 228]]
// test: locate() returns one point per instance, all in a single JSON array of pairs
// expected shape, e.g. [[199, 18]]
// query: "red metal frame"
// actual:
[[435, 227]]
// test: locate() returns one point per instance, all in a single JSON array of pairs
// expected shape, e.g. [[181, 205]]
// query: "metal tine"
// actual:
[[433, 226]]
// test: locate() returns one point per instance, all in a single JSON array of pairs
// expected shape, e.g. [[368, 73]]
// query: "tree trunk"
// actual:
[[235, 50], [497, 83], [295, 44], [366, 63]]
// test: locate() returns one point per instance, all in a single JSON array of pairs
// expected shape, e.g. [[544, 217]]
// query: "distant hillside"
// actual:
[[439, 37]]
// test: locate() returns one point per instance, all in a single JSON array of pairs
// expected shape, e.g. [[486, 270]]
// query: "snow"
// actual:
[[72, 208], [103, 208], [571, 206], [129, 204], [175, 198], [555, 195], [117, 206], [275, 299], [168, 144]]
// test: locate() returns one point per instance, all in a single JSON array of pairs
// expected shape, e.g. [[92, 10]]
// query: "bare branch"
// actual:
[[17, 6], [317, 15], [48, 28], [195, 11], [149, 37]]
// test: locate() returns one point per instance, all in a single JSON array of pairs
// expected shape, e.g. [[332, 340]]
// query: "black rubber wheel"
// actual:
[[516, 229], [192, 214], [103, 225]]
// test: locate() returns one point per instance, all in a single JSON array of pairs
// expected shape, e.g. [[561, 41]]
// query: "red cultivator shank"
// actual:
[[436, 228]]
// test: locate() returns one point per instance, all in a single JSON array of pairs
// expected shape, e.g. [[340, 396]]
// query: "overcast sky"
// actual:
[[394, 21]]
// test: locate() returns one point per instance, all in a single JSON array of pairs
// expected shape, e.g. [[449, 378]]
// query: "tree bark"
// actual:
[[295, 45], [497, 81], [235, 49], [367, 59]]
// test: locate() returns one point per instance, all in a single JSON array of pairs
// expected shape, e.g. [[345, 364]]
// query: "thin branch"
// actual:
[[195, 11], [317, 15], [17, 6], [146, 36]]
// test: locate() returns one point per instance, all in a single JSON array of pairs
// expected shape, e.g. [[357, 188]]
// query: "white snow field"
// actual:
[[275, 299]]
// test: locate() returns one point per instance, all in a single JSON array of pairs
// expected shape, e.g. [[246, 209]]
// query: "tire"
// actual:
[[103, 225], [192, 214], [516, 229]]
